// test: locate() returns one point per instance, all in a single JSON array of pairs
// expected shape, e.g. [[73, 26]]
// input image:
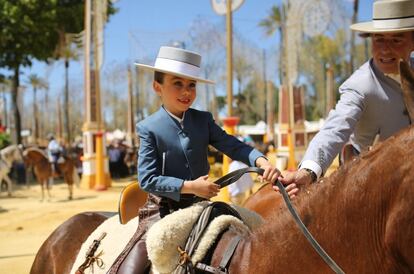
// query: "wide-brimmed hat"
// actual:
[[389, 16], [179, 62]]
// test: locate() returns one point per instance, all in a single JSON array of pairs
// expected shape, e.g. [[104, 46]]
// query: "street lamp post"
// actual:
[[94, 162], [229, 122], [229, 59]]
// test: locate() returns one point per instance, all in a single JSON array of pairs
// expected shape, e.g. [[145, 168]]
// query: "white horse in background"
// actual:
[[8, 155]]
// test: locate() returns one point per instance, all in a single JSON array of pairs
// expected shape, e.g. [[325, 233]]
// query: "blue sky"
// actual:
[[141, 26]]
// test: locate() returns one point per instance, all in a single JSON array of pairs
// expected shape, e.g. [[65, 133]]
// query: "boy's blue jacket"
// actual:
[[169, 154]]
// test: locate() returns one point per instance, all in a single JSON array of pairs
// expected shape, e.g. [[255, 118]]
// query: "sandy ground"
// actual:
[[25, 221]]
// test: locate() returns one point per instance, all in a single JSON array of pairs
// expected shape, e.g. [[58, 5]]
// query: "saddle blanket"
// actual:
[[172, 231], [162, 238], [117, 237]]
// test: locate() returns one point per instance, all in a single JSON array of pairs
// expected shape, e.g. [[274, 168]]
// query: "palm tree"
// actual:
[[5, 85], [353, 51], [36, 83], [68, 50], [275, 22]]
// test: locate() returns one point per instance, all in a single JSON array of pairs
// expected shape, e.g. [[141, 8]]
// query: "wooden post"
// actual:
[[230, 124], [100, 183]]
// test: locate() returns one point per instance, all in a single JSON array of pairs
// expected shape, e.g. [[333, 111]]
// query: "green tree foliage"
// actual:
[[318, 53], [5, 140], [31, 30], [275, 22], [27, 32], [251, 102], [37, 83]]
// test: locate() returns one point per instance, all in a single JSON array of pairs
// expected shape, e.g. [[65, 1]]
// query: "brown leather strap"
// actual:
[[147, 215], [228, 254], [90, 256], [141, 230]]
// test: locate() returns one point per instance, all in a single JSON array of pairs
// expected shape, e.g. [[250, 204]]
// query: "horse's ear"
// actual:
[[407, 85]]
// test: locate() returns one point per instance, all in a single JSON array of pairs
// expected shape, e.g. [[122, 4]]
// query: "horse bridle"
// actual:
[[233, 177]]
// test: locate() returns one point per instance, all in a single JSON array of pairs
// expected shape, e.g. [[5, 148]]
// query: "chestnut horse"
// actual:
[[361, 215], [43, 170], [58, 257], [264, 201]]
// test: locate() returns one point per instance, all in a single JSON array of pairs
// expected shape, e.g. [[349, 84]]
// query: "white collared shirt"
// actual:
[[180, 120]]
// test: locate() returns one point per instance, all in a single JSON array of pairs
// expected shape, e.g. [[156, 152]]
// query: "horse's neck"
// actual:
[[39, 156], [8, 155], [6, 162], [346, 214]]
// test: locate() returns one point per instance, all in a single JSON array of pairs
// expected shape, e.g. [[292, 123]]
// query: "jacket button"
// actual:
[[186, 165]]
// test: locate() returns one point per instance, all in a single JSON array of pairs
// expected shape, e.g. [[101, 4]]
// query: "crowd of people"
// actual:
[[122, 160]]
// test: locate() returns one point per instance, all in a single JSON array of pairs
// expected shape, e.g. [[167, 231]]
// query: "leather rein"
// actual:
[[231, 248]]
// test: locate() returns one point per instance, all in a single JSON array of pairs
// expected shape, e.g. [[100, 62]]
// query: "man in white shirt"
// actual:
[[54, 151], [371, 101]]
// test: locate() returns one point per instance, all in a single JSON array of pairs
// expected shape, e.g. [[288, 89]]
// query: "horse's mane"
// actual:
[[357, 181]]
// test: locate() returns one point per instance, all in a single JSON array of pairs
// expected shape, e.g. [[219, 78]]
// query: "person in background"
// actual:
[[114, 155], [241, 189], [54, 150]]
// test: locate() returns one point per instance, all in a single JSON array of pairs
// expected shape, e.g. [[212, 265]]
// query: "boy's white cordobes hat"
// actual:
[[389, 16], [179, 62]]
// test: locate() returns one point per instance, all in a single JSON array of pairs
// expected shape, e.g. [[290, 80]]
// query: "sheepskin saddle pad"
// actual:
[[117, 237], [171, 232]]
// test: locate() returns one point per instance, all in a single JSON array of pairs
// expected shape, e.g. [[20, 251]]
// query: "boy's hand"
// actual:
[[201, 187], [271, 173]]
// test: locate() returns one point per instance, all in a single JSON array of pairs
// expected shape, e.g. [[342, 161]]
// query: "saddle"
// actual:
[[130, 259], [132, 198]]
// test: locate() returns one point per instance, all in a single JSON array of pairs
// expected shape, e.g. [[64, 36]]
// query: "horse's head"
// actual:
[[11, 153]]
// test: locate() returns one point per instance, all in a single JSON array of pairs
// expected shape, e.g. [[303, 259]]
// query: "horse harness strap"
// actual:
[[90, 256], [146, 215], [228, 254], [185, 264], [328, 260], [235, 175], [225, 261]]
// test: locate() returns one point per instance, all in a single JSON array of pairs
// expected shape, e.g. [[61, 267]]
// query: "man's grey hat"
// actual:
[[179, 62], [389, 16]]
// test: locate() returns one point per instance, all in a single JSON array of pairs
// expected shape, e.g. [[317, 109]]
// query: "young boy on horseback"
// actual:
[[54, 151], [172, 159]]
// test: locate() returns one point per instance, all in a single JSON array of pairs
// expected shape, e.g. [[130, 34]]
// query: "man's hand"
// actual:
[[299, 177], [293, 180]]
